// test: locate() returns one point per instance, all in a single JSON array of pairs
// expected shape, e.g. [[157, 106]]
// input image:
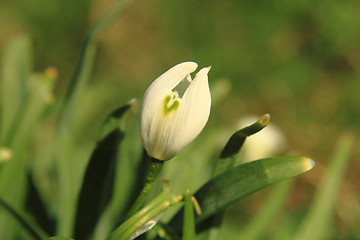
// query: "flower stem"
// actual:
[[130, 227], [151, 214], [152, 172]]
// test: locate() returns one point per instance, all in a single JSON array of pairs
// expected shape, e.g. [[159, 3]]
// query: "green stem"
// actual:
[[34, 230], [138, 220], [189, 221], [152, 172], [132, 220], [151, 214]]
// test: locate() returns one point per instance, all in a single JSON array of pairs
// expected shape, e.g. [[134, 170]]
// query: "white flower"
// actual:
[[5, 154], [174, 110]]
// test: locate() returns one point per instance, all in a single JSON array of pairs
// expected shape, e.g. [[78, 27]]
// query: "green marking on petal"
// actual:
[[174, 105]]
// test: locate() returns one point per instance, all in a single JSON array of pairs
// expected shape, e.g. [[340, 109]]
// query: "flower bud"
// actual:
[[174, 110]]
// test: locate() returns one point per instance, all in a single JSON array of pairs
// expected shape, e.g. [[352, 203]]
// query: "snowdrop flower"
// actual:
[[174, 110]]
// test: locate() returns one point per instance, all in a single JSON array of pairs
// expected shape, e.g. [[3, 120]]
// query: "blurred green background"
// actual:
[[297, 60]]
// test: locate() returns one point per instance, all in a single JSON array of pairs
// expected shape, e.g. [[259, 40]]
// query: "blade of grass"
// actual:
[[15, 70], [26, 222], [127, 176], [189, 220], [12, 189], [226, 161], [99, 176], [39, 87], [36, 207], [68, 187], [317, 222], [265, 215], [87, 56], [15, 95], [59, 238]]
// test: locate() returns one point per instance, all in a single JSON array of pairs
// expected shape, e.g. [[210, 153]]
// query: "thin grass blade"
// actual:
[[25, 221], [317, 223], [99, 175]]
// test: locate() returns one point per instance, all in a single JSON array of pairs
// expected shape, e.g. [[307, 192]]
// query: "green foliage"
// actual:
[[66, 170], [264, 216], [189, 222], [245, 179], [15, 73], [318, 221], [99, 176], [26, 222]]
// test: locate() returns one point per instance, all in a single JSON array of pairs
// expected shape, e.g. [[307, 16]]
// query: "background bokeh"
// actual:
[[297, 60]]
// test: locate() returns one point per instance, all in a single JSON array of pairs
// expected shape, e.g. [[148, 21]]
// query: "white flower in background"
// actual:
[[5, 154], [174, 110], [269, 142]]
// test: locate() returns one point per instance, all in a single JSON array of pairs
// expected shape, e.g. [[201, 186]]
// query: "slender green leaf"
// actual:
[[68, 175], [15, 95], [35, 206], [26, 222], [245, 179], [189, 220], [39, 88], [15, 70], [99, 176], [266, 214], [225, 162], [38, 97], [317, 223], [87, 55], [287, 226], [239, 182], [128, 176], [13, 190], [59, 238]]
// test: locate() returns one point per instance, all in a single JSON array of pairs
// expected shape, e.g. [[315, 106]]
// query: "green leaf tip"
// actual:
[[118, 113], [264, 120], [236, 141], [308, 163], [247, 178]]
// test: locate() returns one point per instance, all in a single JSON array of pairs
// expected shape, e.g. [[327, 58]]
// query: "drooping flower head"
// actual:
[[174, 110]]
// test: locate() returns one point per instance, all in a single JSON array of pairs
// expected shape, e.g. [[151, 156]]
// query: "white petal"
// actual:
[[159, 128], [172, 77], [158, 90], [193, 112]]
